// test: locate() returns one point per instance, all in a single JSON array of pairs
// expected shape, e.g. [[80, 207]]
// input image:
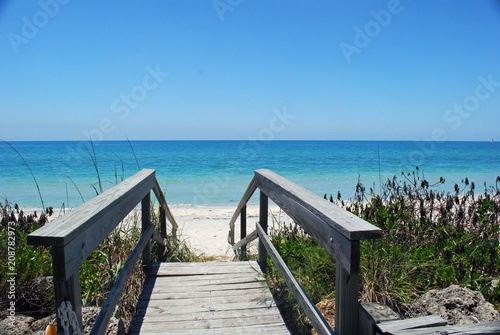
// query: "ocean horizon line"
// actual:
[[249, 139]]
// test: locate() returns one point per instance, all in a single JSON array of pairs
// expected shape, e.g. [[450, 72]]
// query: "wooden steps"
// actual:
[[206, 298]]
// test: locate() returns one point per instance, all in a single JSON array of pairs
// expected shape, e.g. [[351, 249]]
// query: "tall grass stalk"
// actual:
[[77, 189], [133, 151], [31, 171], [94, 162]]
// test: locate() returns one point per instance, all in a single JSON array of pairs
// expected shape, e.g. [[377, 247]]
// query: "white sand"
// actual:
[[206, 229]]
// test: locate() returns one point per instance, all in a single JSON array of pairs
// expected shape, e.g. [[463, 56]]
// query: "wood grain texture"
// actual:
[[420, 322], [122, 198], [206, 298], [164, 208], [492, 328], [78, 233], [244, 241], [346, 223], [252, 187], [347, 308]]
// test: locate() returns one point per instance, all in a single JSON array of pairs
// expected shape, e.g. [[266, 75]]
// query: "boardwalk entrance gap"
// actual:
[[75, 235]]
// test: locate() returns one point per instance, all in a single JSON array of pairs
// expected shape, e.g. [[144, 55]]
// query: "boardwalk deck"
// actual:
[[207, 298]]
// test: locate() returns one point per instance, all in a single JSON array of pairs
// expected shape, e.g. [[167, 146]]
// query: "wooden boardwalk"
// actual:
[[207, 298]]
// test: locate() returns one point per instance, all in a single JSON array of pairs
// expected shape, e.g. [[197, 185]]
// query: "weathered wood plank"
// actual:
[[250, 288], [187, 275], [210, 315], [78, 233], [66, 228], [255, 300], [161, 199], [492, 328], [226, 298], [146, 223], [252, 187], [263, 218], [244, 241], [68, 290], [205, 280], [346, 301], [244, 330], [337, 245], [212, 323], [220, 287], [176, 269], [346, 223], [317, 320], [161, 308], [420, 322], [243, 232]]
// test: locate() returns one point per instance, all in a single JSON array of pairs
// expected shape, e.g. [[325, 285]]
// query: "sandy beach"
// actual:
[[206, 229]]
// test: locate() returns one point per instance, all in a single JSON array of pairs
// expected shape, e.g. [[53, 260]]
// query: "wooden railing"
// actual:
[[335, 229], [75, 235]]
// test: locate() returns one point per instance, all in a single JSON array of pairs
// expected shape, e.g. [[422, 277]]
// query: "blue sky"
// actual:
[[241, 69]]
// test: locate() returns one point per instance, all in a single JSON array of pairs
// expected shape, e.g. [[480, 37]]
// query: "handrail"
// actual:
[[335, 229], [252, 187], [74, 236], [164, 206]]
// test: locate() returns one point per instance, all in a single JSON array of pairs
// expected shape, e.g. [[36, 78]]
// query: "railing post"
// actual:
[[163, 222], [346, 296], [66, 290], [146, 221], [243, 231], [263, 223]]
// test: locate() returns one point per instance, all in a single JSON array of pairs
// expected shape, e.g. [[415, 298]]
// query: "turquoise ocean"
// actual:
[[212, 173]]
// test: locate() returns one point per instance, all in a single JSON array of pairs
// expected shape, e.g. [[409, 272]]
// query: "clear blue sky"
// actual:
[[225, 69]]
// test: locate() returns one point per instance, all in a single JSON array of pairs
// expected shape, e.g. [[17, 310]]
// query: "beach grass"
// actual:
[[432, 239], [97, 274]]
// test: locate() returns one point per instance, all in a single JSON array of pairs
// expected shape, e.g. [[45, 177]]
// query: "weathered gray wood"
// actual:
[[158, 239], [249, 238], [263, 218], [218, 290], [242, 330], [66, 228], [346, 301], [75, 235], [185, 269], [371, 313], [420, 322], [102, 320], [337, 244], [492, 328], [243, 231], [163, 222], [346, 223], [196, 298], [68, 290], [164, 206], [252, 187], [82, 230], [221, 322], [146, 223], [317, 320]]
